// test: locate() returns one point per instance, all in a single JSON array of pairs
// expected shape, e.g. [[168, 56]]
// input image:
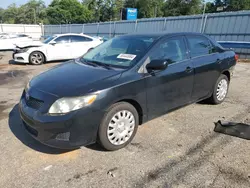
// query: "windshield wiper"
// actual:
[[89, 63], [104, 65]]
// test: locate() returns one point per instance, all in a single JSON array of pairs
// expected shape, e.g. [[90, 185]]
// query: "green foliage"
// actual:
[[180, 7], [29, 13], [235, 5], [73, 11], [150, 8], [68, 11], [229, 5]]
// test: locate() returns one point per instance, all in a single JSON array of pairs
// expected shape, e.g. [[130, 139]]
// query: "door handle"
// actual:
[[189, 69]]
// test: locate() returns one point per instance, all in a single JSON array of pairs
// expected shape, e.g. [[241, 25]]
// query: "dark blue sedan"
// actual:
[[125, 82]]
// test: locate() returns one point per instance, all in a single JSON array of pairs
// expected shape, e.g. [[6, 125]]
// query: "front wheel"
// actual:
[[36, 58], [220, 90], [118, 126]]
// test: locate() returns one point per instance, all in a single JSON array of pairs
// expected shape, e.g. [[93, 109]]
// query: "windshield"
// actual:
[[120, 52], [48, 40]]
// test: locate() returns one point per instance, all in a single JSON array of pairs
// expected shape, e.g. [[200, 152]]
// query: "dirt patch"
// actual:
[[2, 109], [10, 76]]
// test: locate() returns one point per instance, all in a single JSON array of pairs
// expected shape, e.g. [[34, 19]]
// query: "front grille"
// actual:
[[33, 102]]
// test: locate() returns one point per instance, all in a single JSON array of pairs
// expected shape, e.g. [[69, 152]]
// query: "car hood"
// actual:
[[29, 44], [74, 79]]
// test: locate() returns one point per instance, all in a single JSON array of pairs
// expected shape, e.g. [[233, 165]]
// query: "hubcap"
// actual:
[[121, 127], [222, 90], [36, 58]]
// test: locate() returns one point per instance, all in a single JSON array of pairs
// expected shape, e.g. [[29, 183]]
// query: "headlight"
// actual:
[[23, 50], [68, 104]]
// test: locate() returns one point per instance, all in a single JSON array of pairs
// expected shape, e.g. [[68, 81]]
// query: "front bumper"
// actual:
[[67, 131], [21, 57]]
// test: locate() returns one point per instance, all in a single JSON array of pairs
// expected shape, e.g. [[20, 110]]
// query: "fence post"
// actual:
[[135, 25], [205, 24], [83, 28], [2, 26], [23, 28], [97, 30], [164, 25], [114, 30], [43, 29], [110, 29]]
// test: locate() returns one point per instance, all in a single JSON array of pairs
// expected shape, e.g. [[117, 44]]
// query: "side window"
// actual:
[[199, 46], [80, 39], [173, 50], [62, 40]]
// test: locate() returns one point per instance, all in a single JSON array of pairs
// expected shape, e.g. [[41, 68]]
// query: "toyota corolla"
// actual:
[[104, 95]]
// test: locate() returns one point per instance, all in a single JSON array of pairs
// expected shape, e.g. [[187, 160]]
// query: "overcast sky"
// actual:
[[6, 3]]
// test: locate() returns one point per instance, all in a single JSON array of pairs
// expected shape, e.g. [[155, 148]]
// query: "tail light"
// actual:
[[236, 57]]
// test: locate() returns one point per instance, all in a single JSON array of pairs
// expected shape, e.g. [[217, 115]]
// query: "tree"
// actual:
[[130, 3], [182, 7], [32, 12], [236, 5], [95, 6], [1, 14], [149, 8], [10, 14], [210, 7], [68, 11], [229, 5]]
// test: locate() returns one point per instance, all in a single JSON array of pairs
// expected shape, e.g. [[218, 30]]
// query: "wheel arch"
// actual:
[[227, 74], [137, 106], [45, 58]]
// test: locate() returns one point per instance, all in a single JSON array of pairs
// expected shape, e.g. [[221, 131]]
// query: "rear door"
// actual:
[[172, 87], [80, 45], [61, 50], [206, 62]]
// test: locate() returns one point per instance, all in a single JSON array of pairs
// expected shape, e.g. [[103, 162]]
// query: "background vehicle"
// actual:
[[9, 41], [57, 47], [128, 80]]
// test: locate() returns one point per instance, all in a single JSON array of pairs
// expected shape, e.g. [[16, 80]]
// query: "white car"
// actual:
[[57, 47], [9, 41]]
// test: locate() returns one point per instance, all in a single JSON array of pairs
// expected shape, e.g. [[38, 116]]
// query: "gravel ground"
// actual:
[[179, 149]]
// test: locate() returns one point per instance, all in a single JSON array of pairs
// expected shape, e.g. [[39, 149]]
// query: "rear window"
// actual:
[[75, 38], [199, 46]]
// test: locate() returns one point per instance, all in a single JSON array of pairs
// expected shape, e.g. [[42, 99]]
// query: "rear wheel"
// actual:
[[220, 90], [118, 126], [36, 58]]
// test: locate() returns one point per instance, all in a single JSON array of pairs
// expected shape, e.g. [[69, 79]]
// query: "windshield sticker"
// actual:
[[126, 56]]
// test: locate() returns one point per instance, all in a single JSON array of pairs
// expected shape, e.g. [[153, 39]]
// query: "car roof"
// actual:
[[161, 34], [75, 34]]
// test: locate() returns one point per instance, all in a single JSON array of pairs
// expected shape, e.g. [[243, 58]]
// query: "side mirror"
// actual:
[[52, 43], [157, 65]]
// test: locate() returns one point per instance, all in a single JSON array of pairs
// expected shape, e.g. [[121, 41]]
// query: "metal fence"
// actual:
[[35, 31], [229, 26]]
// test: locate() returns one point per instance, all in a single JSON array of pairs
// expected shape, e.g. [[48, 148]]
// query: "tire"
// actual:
[[36, 58], [122, 129], [222, 83]]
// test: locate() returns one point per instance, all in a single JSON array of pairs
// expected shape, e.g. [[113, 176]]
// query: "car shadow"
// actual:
[[12, 62], [16, 126], [96, 147]]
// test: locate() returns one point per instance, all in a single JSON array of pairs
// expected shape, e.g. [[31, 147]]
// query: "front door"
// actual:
[[172, 87], [60, 50]]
